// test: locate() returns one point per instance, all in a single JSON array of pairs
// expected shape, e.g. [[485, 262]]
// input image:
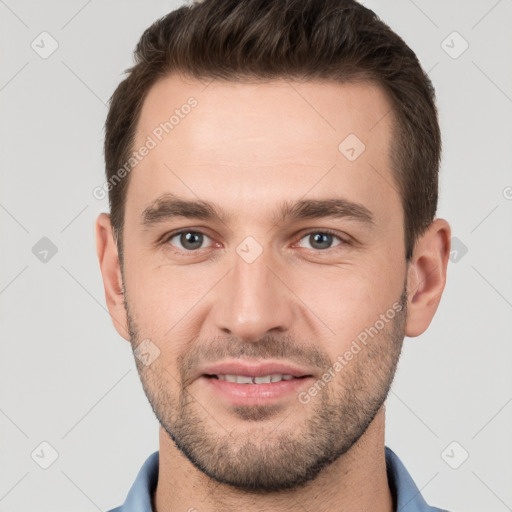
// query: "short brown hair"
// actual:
[[237, 40]]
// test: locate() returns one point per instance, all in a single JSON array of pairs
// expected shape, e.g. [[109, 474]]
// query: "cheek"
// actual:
[[165, 299], [349, 299]]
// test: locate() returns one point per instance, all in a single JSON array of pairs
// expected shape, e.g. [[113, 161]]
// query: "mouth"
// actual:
[[245, 383], [248, 379], [253, 371]]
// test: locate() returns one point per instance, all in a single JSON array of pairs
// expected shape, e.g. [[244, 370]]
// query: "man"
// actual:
[[272, 174]]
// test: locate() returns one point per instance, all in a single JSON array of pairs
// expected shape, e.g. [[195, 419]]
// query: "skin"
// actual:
[[246, 148]]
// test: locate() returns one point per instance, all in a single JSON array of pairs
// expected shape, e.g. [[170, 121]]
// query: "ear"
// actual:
[[106, 248], [426, 276]]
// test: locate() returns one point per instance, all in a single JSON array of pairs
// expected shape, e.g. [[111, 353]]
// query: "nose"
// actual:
[[253, 300]]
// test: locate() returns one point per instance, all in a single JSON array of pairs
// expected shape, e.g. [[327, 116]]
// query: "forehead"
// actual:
[[316, 111], [244, 143]]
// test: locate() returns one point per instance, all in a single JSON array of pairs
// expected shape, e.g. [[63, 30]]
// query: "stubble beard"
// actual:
[[271, 451]]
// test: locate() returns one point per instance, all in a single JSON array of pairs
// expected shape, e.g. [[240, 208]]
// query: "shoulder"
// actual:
[[406, 494]]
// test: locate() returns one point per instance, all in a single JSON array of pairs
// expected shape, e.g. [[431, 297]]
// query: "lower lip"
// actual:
[[255, 394]]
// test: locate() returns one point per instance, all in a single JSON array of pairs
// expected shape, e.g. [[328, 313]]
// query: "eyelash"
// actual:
[[167, 238]]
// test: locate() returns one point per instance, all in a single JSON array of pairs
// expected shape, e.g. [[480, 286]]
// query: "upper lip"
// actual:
[[254, 369]]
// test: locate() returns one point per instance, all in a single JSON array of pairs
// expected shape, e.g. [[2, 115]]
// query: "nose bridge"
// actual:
[[253, 300]]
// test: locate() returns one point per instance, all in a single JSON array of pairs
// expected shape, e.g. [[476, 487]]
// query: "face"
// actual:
[[265, 263]]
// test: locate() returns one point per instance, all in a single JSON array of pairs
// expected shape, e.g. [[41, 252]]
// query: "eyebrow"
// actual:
[[169, 206]]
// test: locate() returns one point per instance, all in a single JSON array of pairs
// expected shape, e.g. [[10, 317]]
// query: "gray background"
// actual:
[[68, 379]]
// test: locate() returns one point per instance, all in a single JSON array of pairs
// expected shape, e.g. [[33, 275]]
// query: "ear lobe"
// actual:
[[426, 276], [106, 249]]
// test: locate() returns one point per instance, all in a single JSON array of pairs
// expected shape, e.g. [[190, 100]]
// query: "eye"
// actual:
[[322, 240], [189, 240]]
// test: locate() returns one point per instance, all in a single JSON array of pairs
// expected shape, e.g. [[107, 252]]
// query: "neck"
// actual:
[[356, 481]]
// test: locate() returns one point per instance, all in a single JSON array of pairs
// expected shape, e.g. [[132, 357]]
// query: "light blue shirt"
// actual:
[[408, 497]]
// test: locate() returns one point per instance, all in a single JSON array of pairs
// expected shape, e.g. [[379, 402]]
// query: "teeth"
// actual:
[[264, 379], [242, 379]]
